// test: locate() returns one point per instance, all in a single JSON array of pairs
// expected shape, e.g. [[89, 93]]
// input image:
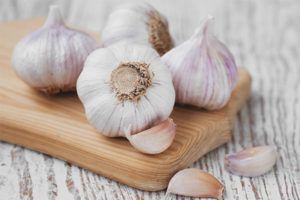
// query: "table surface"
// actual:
[[264, 37]]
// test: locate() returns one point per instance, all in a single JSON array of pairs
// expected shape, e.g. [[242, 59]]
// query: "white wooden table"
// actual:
[[264, 37]]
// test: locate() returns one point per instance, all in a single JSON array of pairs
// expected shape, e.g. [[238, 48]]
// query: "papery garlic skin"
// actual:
[[251, 161], [194, 182], [110, 112], [203, 69], [51, 58], [138, 23]]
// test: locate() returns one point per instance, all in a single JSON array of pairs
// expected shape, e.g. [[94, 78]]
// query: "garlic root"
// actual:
[[154, 140], [195, 183], [251, 162]]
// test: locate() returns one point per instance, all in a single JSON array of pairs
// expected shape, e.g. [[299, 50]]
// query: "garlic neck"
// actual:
[[206, 28], [54, 17], [130, 81]]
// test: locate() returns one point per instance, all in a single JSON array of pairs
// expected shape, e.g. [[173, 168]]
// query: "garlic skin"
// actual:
[[125, 85], [251, 161], [154, 140], [51, 58], [138, 23], [194, 182], [203, 69]]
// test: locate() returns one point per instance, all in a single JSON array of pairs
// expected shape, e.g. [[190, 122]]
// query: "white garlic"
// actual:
[[138, 23], [251, 162], [51, 58], [203, 69], [125, 85]]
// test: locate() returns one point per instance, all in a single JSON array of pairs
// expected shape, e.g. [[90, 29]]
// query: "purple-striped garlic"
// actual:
[[51, 58], [251, 162], [138, 23], [203, 69], [127, 91]]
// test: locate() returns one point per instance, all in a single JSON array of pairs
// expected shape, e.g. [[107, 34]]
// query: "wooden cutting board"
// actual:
[[57, 126]]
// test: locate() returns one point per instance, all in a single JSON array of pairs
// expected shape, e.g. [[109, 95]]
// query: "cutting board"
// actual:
[[57, 126]]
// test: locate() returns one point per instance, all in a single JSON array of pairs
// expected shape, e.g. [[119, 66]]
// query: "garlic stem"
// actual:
[[205, 28], [54, 17]]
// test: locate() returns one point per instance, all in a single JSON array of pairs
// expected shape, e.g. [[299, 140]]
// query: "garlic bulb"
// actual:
[[51, 58], [203, 69], [251, 162], [138, 23], [194, 182], [125, 85]]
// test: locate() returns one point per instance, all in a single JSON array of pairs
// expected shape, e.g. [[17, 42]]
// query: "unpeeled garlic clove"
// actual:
[[51, 58], [251, 161], [154, 140], [195, 183], [203, 69], [138, 23]]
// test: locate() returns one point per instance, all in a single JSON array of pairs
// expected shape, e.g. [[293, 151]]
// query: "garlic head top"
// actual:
[[125, 85], [51, 58], [138, 23], [203, 69]]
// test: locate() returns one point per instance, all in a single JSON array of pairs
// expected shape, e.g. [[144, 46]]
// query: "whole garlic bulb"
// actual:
[[138, 23], [51, 58], [125, 85], [203, 69]]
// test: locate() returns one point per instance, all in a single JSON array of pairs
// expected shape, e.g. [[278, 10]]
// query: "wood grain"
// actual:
[[57, 126], [264, 38]]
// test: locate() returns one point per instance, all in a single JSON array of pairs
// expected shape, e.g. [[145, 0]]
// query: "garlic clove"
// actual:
[[125, 84], [138, 23], [51, 58], [203, 69], [154, 140], [251, 162], [195, 183]]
